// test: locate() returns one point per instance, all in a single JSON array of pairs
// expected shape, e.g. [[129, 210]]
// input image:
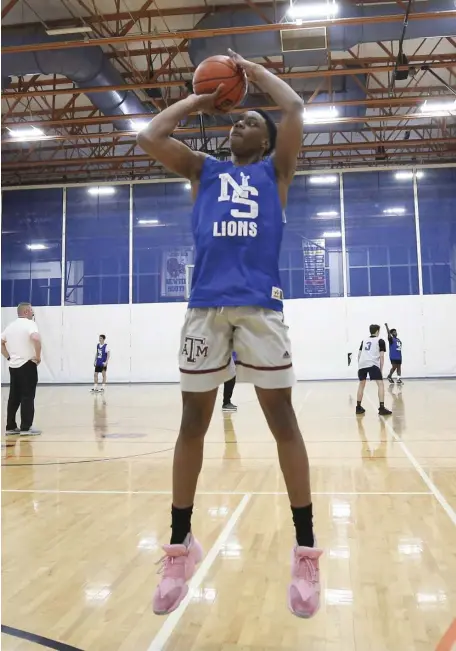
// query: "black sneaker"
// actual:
[[390, 380], [13, 432], [400, 381], [383, 411], [229, 407], [360, 410]]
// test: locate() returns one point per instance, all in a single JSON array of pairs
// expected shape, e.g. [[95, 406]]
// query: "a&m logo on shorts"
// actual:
[[194, 347]]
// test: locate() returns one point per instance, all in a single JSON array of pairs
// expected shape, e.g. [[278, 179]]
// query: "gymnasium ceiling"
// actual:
[[88, 100]]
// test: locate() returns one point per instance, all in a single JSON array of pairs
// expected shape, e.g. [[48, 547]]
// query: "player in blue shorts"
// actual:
[[236, 304], [395, 351], [101, 363]]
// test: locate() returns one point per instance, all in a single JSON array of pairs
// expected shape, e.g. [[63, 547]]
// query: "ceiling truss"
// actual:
[[85, 144]]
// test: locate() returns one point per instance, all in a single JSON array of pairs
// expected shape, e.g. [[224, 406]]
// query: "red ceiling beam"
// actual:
[[156, 172], [131, 23], [107, 119], [189, 132], [224, 31], [154, 13], [314, 74], [8, 7], [397, 144]]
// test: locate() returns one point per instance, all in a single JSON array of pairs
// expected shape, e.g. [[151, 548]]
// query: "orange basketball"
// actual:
[[221, 70]]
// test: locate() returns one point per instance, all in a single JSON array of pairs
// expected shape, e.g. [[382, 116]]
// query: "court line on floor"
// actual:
[[92, 460], [165, 632], [38, 639], [419, 468], [56, 491]]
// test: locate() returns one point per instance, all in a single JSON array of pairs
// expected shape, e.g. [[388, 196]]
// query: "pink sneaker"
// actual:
[[178, 567], [304, 589]]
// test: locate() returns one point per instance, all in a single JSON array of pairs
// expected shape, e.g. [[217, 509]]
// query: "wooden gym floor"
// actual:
[[86, 507]]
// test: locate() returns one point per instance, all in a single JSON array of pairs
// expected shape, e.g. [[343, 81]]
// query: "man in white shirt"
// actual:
[[371, 358], [21, 346]]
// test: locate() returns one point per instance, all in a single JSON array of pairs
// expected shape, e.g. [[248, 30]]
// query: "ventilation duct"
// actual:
[[86, 67], [303, 48], [341, 37]]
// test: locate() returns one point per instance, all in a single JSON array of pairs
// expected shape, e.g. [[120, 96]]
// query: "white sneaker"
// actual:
[[33, 431]]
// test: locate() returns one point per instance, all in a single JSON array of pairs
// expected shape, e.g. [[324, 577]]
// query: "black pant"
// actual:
[[23, 381], [228, 389]]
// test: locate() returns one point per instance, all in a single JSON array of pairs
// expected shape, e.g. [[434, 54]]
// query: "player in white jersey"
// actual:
[[371, 358]]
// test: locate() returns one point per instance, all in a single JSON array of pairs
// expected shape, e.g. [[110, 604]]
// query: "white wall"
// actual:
[[145, 338]]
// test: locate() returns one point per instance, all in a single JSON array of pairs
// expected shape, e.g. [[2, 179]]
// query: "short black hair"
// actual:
[[272, 130], [374, 328], [103, 336]]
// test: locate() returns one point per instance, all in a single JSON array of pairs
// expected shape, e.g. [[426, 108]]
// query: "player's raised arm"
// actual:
[[156, 138], [289, 135]]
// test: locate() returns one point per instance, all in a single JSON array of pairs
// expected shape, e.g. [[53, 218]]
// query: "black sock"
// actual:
[[180, 524], [382, 405], [358, 403], [302, 518]]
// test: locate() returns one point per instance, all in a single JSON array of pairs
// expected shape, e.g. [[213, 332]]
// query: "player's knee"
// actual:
[[196, 415], [279, 412]]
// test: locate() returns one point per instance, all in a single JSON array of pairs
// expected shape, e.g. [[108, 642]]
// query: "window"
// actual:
[[32, 247], [380, 234], [437, 208], [162, 241], [311, 261], [97, 246]]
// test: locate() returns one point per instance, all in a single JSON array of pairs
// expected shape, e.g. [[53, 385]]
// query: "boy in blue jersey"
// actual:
[[395, 351], [101, 363], [236, 303]]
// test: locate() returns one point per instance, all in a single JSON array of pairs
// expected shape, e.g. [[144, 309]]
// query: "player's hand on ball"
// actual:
[[251, 69], [206, 103]]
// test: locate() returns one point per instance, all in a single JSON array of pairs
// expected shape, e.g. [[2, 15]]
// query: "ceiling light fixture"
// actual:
[[394, 211], [320, 10], [406, 175], [59, 31], [139, 125], [148, 222], [188, 186], [37, 247], [438, 108], [328, 213], [322, 180], [329, 234], [26, 133], [101, 190], [316, 115]]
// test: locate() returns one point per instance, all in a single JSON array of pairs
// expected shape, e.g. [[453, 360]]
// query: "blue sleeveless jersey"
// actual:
[[395, 346], [102, 354], [237, 226]]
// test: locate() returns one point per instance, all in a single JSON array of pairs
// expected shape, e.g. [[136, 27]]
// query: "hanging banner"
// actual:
[[174, 262], [314, 267]]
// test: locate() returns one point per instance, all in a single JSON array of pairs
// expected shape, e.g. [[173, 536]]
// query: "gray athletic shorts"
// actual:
[[259, 337]]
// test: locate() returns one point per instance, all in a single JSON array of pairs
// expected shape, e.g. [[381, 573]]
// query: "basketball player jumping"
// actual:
[[236, 302]]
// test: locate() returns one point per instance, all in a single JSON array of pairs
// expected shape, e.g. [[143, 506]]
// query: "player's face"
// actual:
[[249, 134], [394, 333], [101, 340]]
